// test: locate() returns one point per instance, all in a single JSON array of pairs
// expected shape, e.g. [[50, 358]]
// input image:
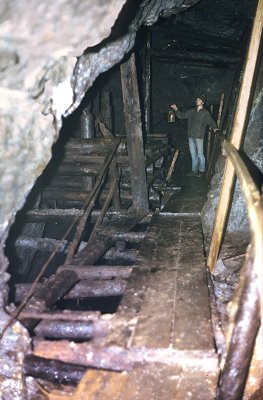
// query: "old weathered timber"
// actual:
[[244, 330], [121, 256], [46, 294], [106, 110], [52, 370], [65, 315], [116, 358], [79, 169], [43, 244], [84, 289], [104, 208], [133, 125], [87, 123], [103, 240], [68, 214], [72, 330], [98, 272], [98, 146], [147, 84]]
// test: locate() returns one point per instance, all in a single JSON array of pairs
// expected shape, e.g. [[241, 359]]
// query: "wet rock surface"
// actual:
[[15, 343]]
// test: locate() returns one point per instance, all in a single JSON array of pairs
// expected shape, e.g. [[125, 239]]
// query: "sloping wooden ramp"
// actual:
[[160, 338]]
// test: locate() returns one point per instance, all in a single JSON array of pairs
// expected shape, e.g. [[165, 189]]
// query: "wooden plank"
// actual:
[[116, 358], [153, 382], [155, 319], [193, 328], [133, 125]]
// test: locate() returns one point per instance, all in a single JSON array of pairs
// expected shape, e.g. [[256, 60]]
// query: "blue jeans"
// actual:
[[197, 153]]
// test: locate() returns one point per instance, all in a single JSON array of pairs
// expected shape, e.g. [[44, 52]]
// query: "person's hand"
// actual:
[[174, 106]]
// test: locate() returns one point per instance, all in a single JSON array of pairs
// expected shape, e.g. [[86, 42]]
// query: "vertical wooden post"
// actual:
[[209, 138], [147, 85], [133, 125], [87, 123], [106, 109], [236, 136], [220, 109]]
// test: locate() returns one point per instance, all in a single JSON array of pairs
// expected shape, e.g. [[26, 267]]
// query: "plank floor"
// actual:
[[164, 314]]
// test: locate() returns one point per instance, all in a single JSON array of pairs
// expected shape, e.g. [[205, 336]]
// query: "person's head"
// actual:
[[200, 100]]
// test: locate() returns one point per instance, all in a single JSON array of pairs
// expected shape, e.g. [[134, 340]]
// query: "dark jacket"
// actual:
[[197, 121]]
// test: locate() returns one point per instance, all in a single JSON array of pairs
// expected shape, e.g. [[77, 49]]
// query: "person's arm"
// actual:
[[210, 121], [180, 114]]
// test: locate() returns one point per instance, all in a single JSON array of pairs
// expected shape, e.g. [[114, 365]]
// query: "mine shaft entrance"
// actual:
[[124, 275]]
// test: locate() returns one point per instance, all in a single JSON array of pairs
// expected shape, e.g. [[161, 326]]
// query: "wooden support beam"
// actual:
[[42, 244], [87, 123], [237, 135], [84, 289], [72, 330], [90, 169], [147, 84], [52, 370], [116, 256], [98, 146], [47, 293], [106, 110], [133, 125], [60, 215], [98, 272], [65, 315], [103, 240], [118, 359], [176, 153]]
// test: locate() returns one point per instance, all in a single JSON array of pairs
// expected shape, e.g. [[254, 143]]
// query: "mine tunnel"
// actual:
[[131, 267]]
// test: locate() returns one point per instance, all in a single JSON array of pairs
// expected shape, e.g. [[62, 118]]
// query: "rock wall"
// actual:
[[237, 231]]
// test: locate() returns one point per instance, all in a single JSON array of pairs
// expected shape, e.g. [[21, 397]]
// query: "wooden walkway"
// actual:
[[161, 333]]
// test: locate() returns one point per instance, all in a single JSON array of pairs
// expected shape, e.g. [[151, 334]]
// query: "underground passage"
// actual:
[[131, 215]]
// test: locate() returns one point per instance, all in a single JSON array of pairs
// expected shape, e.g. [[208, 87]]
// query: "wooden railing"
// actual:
[[244, 351], [245, 325]]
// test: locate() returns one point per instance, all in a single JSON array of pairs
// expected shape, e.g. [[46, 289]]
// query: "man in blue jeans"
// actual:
[[198, 119]]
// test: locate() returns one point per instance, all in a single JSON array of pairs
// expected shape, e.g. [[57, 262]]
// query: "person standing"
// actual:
[[198, 120]]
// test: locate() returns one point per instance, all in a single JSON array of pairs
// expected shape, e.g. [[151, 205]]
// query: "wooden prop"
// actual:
[[53, 370], [175, 156], [133, 125], [216, 138]]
